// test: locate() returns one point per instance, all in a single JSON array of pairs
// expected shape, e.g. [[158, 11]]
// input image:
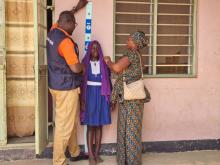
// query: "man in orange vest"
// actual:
[[64, 79]]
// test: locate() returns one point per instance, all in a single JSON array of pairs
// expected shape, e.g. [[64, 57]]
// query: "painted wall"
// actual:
[[181, 108]]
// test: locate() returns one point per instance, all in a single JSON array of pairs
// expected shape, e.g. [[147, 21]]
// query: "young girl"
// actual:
[[96, 90]]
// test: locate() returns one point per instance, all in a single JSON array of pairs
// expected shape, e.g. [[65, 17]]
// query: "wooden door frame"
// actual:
[[40, 143], [3, 114]]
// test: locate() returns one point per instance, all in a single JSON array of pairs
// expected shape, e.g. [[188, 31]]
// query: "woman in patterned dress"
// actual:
[[130, 114]]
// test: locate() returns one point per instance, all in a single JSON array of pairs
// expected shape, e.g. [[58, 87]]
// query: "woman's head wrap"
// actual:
[[140, 39]]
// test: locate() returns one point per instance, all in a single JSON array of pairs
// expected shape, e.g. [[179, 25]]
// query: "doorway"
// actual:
[[37, 83]]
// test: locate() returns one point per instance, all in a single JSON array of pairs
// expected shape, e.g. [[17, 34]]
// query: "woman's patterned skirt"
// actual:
[[129, 145]]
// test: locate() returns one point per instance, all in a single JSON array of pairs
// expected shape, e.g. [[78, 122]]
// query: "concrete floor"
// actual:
[[184, 158]]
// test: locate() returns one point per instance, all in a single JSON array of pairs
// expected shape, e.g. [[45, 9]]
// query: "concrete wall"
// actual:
[[181, 108]]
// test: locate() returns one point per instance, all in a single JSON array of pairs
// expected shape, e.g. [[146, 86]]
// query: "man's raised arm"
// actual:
[[80, 5]]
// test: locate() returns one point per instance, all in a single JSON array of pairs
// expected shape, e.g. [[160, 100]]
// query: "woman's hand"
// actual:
[[112, 106], [119, 66], [107, 59]]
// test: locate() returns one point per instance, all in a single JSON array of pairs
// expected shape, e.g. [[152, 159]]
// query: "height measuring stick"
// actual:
[[88, 32]]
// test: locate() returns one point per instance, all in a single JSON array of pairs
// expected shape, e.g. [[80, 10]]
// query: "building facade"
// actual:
[[182, 65]]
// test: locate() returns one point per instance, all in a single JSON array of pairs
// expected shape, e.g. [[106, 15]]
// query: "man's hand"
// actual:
[[83, 70], [82, 105], [81, 4], [77, 68]]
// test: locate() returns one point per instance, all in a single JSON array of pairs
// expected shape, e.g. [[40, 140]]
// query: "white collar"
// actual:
[[95, 65]]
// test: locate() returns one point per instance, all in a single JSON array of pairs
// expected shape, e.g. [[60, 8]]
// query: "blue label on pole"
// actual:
[[88, 25], [86, 45]]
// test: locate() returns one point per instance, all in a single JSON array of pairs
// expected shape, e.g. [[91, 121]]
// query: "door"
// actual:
[[3, 123], [41, 94]]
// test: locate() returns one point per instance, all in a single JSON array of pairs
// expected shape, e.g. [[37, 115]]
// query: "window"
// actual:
[[170, 26]]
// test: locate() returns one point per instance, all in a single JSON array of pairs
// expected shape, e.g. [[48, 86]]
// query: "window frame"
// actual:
[[194, 66]]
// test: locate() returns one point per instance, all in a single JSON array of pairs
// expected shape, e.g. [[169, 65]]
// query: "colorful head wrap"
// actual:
[[140, 39]]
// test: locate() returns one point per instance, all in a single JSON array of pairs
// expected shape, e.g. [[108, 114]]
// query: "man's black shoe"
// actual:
[[81, 156]]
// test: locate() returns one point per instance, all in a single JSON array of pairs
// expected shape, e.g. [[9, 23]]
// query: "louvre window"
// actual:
[[170, 27]]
